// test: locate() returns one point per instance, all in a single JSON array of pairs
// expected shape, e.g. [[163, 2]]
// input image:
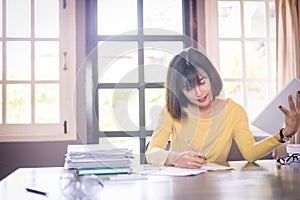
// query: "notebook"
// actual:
[[271, 119]]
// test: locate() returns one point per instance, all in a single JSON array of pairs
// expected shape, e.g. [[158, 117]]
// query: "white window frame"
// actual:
[[48, 132]]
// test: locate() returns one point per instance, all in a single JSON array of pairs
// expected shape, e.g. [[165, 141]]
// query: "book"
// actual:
[[98, 164], [103, 171], [293, 148]]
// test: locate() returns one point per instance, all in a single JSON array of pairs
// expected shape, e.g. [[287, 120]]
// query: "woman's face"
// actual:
[[200, 93]]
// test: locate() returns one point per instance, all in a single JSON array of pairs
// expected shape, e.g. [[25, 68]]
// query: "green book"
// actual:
[[103, 171]]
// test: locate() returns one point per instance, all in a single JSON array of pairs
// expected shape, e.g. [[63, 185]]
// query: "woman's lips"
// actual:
[[201, 100]]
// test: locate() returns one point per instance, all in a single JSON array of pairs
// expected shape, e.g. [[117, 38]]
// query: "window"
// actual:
[[37, 70], [243, 46], [130, 44]]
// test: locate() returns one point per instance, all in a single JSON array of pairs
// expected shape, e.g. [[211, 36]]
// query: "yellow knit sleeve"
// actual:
[[249, 148], [156, 153]]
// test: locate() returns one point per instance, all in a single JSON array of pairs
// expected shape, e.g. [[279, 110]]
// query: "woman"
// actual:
[[200, 125]]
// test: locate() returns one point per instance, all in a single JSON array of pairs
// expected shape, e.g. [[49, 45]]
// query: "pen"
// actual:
[[193, 147], [36, 191]]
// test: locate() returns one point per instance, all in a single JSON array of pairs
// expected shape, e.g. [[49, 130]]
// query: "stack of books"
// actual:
[[98, 159]]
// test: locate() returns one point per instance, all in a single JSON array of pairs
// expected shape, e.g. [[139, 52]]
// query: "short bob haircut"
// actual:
[[184, 70]]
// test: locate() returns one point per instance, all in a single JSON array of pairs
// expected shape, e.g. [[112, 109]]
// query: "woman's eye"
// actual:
[[201, 81]]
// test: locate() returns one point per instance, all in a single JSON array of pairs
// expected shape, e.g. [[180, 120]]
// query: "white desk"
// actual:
[[261, 180]]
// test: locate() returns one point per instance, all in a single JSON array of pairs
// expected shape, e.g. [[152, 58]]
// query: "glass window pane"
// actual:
[[272, 20], [233, 90], [157, 56], [118, 62], [273, 90], [273, 61], [229, 19], [230, 59], [116, 17], [132, 143], [154, 103], [18, 57], [257, 97], [47, 101], [255, 19], [46, 18], [118, 110], [47, 61], [163, 15], [256, 61], [18, 104], [18, 18]]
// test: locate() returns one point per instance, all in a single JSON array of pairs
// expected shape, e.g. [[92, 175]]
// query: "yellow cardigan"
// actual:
[[212, 135]]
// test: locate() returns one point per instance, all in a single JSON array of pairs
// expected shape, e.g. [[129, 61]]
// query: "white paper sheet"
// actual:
[[177, 171], [271, 119]]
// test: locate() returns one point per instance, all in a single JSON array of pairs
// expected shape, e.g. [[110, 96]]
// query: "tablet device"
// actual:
[[271, 119]]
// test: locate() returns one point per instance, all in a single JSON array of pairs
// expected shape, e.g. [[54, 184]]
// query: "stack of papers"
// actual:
[[98, 159]]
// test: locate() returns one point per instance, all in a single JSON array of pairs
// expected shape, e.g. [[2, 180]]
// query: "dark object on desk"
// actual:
[[293, 160], [36, 191]]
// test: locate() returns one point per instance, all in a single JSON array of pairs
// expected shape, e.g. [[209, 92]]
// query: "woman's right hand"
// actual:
[[188, 159], [292, 116]]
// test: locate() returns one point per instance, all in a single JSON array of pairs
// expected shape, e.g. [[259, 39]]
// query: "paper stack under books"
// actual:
[[98, 159]]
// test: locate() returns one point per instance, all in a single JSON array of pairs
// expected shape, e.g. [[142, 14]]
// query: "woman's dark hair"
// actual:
[[184, 69]]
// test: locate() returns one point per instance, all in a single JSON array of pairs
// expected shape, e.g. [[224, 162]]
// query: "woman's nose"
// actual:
[[198, 90]]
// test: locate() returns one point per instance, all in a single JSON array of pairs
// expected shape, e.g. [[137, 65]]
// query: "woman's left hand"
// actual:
[[292, 116]]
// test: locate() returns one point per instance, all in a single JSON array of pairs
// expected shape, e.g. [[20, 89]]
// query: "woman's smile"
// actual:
[[202, 100]]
